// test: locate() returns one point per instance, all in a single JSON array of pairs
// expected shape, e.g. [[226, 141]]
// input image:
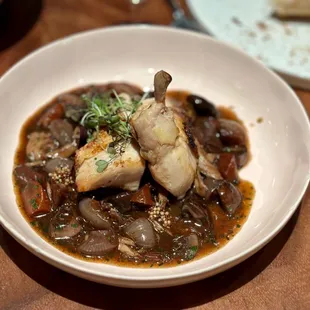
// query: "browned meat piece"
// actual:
[[125, 171], [163, 141]]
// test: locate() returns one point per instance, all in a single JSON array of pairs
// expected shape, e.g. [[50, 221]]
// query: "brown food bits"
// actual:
[[53, 113], [35, 199], [262, 26], [236, 21], [143, 196], [227, 166]]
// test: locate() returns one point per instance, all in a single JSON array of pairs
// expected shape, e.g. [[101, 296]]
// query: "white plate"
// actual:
[[280, 145], [283, 46]]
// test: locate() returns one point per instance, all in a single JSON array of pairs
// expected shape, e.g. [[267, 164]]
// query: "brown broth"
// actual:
[[225, 228]]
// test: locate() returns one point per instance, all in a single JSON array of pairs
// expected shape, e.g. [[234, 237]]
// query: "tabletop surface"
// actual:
[[277, 277]]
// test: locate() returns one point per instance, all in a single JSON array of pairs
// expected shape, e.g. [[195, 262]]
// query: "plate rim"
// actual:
[[292, 79], [188, 276]]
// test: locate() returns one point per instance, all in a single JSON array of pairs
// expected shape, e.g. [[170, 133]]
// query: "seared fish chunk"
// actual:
[[124, 171]]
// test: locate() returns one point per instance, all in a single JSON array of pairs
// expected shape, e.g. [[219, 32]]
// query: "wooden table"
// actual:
[[277, 277]]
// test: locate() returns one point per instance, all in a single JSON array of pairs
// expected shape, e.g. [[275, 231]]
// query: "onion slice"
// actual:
[[142, 232]]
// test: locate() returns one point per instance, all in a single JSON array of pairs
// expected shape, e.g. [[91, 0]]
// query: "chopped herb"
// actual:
[[101, 165], [191, 252], [75, 225], [33, 223], [111, 150], [151, 265], [238, 225], [34, 204]]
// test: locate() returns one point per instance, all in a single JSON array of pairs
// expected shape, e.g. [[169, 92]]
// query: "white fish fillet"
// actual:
[[124, 171]]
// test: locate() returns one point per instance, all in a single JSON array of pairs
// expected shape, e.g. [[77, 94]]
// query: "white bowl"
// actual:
[[280, 147]]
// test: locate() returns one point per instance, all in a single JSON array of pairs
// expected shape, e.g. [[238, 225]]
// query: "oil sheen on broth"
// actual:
[[195, 226]]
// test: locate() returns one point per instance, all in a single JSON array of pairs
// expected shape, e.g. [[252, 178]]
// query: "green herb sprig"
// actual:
[[112, 113]]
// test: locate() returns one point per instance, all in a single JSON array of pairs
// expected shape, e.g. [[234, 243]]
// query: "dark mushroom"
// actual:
[[232, 133], [62, 130], [202, 106], [230, 197], [120, 201], [73, 105], [57, 193], [206, 130], [25, 174]]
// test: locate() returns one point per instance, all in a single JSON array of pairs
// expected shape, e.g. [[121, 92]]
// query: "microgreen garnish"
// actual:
[[101, 165], [111, 112]]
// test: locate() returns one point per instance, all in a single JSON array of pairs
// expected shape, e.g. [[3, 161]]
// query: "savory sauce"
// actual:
[[221, 228]]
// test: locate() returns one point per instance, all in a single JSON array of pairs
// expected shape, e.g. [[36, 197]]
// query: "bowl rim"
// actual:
[[229, 262]]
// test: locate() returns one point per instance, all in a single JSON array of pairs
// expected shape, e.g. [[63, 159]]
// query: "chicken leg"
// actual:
[[164, 144]]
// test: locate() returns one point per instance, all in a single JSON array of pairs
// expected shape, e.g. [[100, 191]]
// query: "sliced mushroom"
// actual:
[[62, 130], [230, 197]]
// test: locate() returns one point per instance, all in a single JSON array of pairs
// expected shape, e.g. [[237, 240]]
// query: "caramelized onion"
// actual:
[[91, 211], [98, 243], [142, 232]]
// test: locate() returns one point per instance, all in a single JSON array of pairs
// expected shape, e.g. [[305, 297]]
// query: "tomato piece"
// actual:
[[35, 199], [227, 166], [143, 196]]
